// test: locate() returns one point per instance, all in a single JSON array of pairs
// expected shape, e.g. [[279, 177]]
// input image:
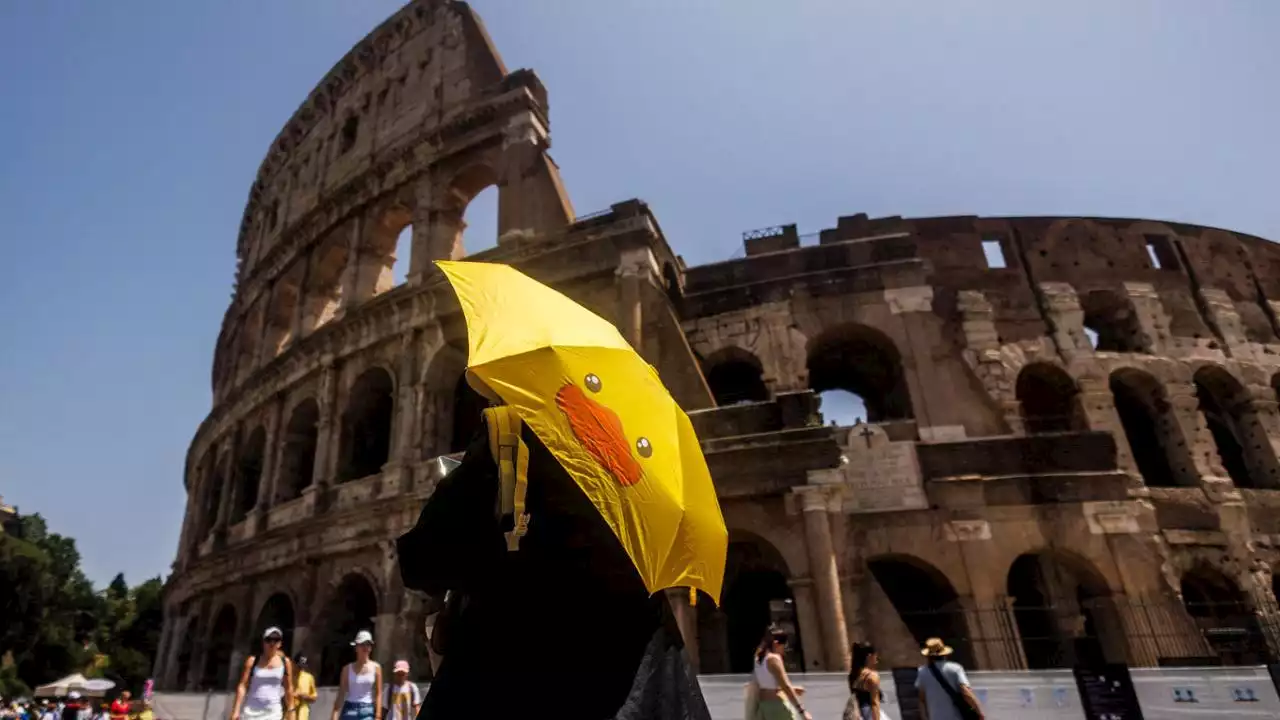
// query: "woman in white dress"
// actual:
[[265, 690], [360, 694]]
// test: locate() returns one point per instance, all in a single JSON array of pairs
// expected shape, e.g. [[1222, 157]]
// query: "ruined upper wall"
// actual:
[[428, 58]]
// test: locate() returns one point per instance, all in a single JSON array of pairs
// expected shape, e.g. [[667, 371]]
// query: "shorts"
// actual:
[[357, 711]]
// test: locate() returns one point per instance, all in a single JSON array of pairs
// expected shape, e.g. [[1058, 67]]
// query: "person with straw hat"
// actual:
[[944, 687]]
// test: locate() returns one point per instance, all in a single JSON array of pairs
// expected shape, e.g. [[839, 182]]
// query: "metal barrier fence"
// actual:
[[1240, 693]]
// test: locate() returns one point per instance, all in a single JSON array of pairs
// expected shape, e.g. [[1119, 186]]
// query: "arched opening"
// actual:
[[285, 296], [926, 603], [480, 221], [212, 477], [401, 261], [298, 456], [736, 376], [1150, 428], [864, 362], [276, 612], [468, 407], [1064, 612], [756, 595], [185, 651], [366, 426], [1243, 446], [352, 608], [217, 663], [1048, 397], [1113, 323], [1219, 610], [249, 474], [323, 294]]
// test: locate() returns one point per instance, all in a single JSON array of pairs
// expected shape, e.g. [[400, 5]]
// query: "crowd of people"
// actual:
[[74, 706], [942, 686]]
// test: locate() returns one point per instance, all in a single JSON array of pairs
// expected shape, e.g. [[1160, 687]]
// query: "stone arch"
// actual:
[[863, 361], [282, 309], [322, 295], [442, 379], [464, 188], [212, 476], [277, 611], [298, 456], [352, 606], [1151, 429], [1049, 399], [221, 643], [365, 443], [1223, 616], [249, 467], [1064, 610], [381, 253], [735, 376], [1114, 322], [1242, 444], [250, 338], [925, 602], [756, 595]]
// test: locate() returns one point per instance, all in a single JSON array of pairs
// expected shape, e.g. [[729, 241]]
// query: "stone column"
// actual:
[[327, 427], [531, 198], [687, 619], [270, 465], [160, 666], [384, 637], [300, 310], [931, 393], [807, 622], [229, 480], [351, 274], [634, 268], [439, 239], [826, 577], [1191, 424], [845, 559]]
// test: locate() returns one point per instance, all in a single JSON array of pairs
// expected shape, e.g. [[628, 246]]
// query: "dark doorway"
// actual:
[[756, 596], [1064, 613], [277, 612], [1048, 398], [366, 426], [1223, 617], [298, 456], [217, 664], [735, 376], [352, 608], [925, 601], [249, 474], [1144, 412], [864, 362]]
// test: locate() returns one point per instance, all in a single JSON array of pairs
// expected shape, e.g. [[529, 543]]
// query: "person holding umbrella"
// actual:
[[603, 502]]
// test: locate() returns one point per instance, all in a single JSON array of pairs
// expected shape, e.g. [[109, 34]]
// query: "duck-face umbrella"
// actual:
[[603, 413]]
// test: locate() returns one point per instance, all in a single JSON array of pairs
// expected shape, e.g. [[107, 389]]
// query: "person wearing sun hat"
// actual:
[[265, 690], [304, 688], [403, 697], [944, 687], [360, 691]]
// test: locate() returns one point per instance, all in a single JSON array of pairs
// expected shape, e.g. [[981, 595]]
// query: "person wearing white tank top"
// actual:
[[265, 690], [360, 694], [776, 696]]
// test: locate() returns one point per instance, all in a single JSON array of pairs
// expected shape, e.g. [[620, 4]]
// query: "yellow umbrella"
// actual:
[[603, 413]]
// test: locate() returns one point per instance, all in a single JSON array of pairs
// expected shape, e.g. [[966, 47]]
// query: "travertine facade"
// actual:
[[1069, 454]]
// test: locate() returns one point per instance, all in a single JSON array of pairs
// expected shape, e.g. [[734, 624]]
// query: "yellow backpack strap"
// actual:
[[512, 458]]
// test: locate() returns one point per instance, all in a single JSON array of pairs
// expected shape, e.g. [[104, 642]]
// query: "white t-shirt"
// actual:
[[401, 700]]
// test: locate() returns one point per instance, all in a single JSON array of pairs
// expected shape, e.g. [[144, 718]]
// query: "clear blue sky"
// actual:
[[130, 132]]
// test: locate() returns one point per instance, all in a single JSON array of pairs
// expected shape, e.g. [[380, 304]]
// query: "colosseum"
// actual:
[[1070, 444]]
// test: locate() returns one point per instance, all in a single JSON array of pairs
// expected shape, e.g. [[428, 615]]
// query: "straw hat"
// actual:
[[934, 647]]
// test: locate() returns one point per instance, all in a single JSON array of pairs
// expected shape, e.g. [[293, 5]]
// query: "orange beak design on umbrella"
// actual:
[[600, 431]]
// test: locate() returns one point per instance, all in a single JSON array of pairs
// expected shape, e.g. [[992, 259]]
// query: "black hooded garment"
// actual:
[[562, 629]]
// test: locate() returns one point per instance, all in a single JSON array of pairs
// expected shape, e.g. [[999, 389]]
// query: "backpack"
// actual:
[[511, 455]]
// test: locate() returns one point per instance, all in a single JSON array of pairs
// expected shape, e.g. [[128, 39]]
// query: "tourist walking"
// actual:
[[360, 691], [403, 697], [943, 686], [865, 696], [265, 689], [120, 706], [774, 688], [304, 688]]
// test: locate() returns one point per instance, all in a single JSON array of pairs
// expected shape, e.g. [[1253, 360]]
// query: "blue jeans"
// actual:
[[357, 711]]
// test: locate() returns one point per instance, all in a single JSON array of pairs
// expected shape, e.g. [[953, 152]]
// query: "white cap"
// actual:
[[363, 638], [74, 695], [273, 630]]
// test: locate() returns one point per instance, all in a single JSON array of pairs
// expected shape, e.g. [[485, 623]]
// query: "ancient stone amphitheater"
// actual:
[[1071, 435]]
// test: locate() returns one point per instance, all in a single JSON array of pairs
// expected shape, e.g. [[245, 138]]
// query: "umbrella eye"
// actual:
[[644, 447], [592, 381]]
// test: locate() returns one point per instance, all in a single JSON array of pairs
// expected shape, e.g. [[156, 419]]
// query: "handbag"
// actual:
[[966, 711], [751, 700]]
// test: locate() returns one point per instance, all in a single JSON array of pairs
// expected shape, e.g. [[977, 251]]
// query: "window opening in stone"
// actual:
[[736, 377], [1161, 252], [217, 663], [366, 426], [1111, 323], [468, 415], [1223, 617], [480, 221], [352, 608], [1145, 416], [1092, 336], [1064, 617], [1049, 399], [993, 251], [210, 493], [924, 601], [1235, 431], [404, 249], [863, 362], [350, 131], [276, 612], [756, 596], [249, 474], [298, 458]]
